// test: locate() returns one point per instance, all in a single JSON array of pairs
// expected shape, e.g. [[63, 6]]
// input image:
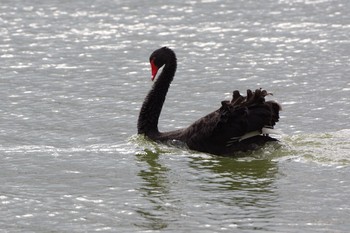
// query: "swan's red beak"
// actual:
[[154, 69]]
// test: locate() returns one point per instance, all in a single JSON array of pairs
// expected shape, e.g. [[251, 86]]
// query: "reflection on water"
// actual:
[[247, 174], [239, 192], [154, 188], [245, 185]]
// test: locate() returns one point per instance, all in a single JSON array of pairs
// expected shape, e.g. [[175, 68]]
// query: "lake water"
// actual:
[[73, 77]]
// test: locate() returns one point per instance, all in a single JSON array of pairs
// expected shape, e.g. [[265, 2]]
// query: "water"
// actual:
[[73, 77]]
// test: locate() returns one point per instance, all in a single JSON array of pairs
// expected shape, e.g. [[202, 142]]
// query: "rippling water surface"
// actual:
[[74, 74]]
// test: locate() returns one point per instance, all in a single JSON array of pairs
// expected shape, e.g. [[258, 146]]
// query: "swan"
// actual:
[[242, 124]]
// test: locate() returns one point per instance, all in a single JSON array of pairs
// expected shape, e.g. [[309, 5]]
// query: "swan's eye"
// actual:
[[152, 59]]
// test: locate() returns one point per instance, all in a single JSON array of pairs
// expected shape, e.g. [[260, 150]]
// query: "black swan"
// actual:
[[238, 125]]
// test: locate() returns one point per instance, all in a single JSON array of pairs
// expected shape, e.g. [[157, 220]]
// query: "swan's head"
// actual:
[[160, 57]]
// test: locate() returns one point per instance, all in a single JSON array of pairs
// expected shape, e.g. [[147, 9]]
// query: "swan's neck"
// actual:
[[153, 103]]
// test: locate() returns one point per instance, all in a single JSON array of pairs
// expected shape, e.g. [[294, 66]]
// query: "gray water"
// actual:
[[74, 75]]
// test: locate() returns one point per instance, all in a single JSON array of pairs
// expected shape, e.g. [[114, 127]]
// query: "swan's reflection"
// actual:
[[208, 191], [244, 190], [154, 188]]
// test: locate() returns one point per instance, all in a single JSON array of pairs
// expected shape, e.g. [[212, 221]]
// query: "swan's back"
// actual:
[[234, 124]]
